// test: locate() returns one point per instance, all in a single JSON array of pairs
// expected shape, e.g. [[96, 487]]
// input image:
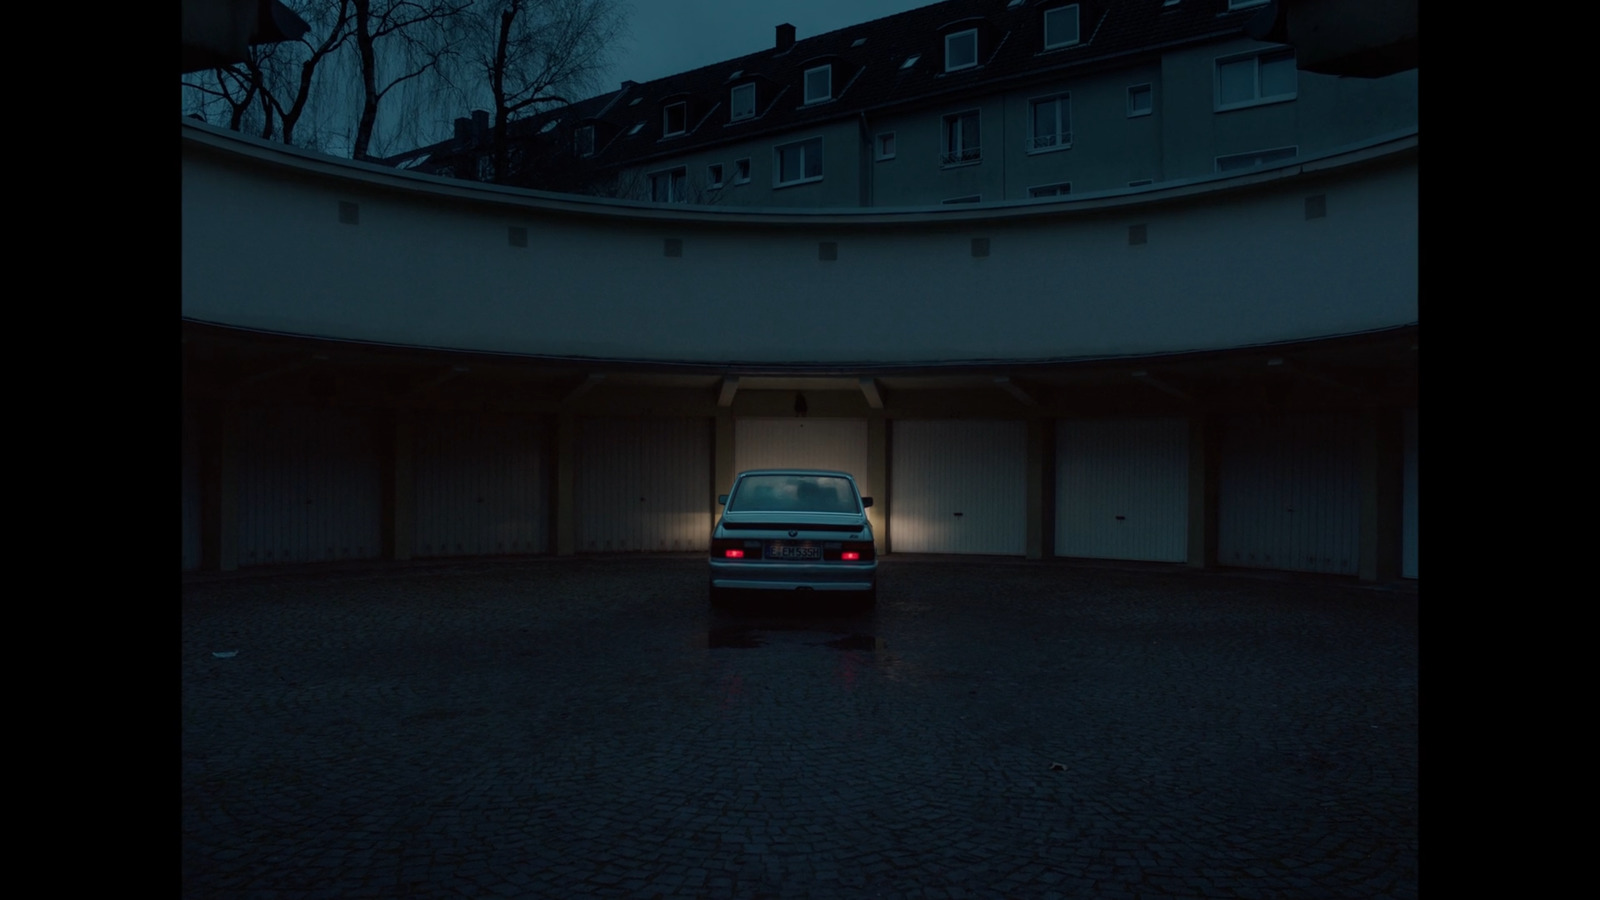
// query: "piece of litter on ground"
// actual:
[[224, 654]]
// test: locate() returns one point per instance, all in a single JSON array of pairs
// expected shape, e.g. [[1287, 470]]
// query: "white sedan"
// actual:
[[794, 530]]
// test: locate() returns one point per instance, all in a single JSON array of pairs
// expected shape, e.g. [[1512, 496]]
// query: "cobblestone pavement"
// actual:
[[996, 728]]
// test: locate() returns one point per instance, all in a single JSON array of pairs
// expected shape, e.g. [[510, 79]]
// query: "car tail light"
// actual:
[[725, 548], [855, 551]]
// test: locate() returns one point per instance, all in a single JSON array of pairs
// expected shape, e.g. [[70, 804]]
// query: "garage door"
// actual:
[[1408, 550], [1122, 489], [840, 444], [958, 487], [308, 486], [643, 484], [1289, 493], [191, 491], [481, 485]]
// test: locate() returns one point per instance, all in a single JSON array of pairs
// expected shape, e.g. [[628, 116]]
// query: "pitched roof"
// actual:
[[895, 61]]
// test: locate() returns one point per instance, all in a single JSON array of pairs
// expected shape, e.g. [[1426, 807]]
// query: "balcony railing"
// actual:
[[964, 155]]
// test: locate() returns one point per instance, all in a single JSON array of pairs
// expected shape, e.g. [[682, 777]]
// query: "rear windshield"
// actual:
[[794, 493]]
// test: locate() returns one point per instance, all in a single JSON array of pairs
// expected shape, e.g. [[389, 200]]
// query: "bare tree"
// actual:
[[534, 53], [287, 89], [418, 35]]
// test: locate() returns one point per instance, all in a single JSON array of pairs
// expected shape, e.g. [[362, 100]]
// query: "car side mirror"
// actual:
[[722, 499], [866, 502]]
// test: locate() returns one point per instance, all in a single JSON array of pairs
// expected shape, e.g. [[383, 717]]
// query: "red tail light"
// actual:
[[850, 555], [733, 554]]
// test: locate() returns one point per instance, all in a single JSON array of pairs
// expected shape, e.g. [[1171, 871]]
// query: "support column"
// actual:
[[397, 438], [878, 479], [564, 497], [1204, 465], [721, 460], [219, 486], [1041, 531], [1382, 475]]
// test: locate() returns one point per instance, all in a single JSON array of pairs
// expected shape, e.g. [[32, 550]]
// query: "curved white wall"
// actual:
[[1228, 263]]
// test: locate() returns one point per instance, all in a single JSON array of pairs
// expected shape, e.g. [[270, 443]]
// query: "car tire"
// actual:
[[869, 599], [718, 597]]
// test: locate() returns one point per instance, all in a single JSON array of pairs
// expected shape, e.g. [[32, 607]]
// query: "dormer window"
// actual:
[[583, 142], [674, 119], [819, 84], [742, 103], [1061, 27], [961, 50]]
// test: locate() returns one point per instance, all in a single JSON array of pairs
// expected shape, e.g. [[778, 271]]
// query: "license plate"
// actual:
[[793, 550]]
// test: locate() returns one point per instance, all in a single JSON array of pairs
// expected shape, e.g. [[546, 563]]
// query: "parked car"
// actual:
[[794, 530]]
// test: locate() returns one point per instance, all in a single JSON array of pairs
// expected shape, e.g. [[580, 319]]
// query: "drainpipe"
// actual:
[[867, 168]]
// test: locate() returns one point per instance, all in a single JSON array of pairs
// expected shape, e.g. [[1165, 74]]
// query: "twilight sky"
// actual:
[[676, 35]]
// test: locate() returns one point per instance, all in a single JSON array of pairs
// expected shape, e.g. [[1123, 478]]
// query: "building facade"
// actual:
[[957, 102]]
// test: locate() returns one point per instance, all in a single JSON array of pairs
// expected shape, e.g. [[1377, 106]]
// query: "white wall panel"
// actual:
[[958, 487], [1122, 489], [308, 486], [1289, 493], [642, 484], [481, 485], [191, 490], [771, 443], [1408, 514], [427, 265]]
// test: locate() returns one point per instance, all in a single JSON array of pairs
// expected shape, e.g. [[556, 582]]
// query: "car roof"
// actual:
[[833, 472]]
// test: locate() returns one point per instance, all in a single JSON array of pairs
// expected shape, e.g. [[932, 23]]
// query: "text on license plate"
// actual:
[[793, 550]]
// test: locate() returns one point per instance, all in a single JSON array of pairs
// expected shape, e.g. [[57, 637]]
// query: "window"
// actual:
[[741, 171], [637, 127], [1050, 123], [1140, 100], [742, 102], [819, 84], [885, 146], [674, 119], [714, 175], [669, 186], [1241, 4], [1051, 190], [1255, 158], [583, 142], [1256, 78], [911, 60], [972, 198], [961, 139], [961, 50], [1061, 27], [798, 162]]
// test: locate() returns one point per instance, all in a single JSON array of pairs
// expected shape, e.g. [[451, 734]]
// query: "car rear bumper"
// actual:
[[786, 576]]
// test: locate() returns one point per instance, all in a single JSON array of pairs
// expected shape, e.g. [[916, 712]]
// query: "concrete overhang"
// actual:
[[221, 32], [1369, 39]]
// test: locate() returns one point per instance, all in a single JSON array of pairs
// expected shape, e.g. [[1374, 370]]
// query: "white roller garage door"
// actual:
[[1122, 489], [191, 491], [1289, 493], [482, 486], [958, 487], [1408, 551], [839, 444], [308, 486], [643, 484]]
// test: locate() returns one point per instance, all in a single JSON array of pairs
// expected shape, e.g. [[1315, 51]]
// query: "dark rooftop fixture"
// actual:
[[220, 32], [1379, 39], [785, 37]]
